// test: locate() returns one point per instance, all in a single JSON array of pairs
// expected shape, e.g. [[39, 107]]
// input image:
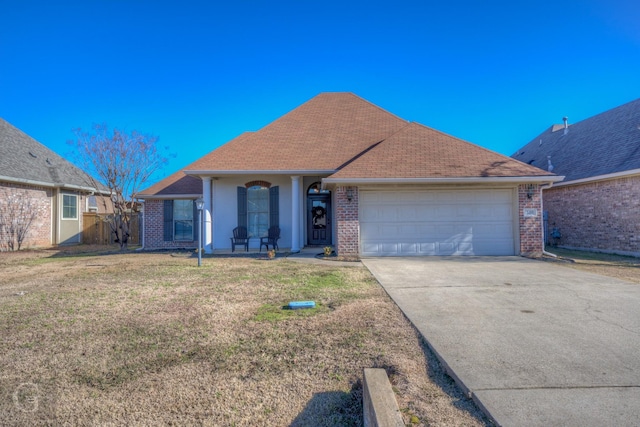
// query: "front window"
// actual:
[[257, 211], [183, 220], [69, 206]]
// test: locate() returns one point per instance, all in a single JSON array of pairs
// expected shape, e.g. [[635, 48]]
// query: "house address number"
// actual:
[[530, 212]]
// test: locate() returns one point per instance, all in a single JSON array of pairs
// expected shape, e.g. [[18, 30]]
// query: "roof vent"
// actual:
[[566, 124], [549, 165], [32, 155]]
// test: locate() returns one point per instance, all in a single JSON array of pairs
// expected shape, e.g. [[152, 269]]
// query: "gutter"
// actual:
[[49, 184], [260, 172], [614, 175], [168, 196], [464, 180]]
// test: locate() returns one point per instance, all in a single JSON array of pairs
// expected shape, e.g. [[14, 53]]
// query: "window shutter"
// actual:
[[242, 206], [274, 206], [196, 222], [168, 220]]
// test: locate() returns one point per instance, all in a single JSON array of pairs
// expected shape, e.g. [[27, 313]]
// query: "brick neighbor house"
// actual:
[[597, 206], [340, 171], [34, 178]]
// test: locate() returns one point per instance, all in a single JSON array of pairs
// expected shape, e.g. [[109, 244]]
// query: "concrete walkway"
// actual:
[[534, 343]]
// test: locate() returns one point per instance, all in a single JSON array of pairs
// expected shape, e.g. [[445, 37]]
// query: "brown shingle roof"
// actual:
[[321, 134], [417, 151], [342, 132], [175, 184]]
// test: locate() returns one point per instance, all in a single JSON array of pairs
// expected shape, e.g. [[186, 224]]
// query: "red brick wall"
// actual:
[[531, 227], [347, 226], [603, 215], [39, 234], [154, 228]]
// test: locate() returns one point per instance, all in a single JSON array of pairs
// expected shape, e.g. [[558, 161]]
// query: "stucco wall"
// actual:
[[603, 215], [39, 199], [225, 214]]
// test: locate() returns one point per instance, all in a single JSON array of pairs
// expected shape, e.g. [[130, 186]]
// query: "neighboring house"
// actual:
[[34, 177], [341, 171], [597, 206]]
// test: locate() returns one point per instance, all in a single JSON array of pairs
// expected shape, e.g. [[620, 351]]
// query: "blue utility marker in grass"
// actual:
[[296, 305]]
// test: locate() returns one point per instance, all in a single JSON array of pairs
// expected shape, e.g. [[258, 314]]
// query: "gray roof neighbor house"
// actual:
[[597, 206], [24, 160], [604, 144], [36, 180]]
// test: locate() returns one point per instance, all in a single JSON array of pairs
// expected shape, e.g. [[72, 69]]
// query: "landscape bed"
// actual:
[[93, 337]]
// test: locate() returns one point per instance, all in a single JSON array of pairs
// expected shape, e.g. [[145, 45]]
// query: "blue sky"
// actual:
[[199, 73]]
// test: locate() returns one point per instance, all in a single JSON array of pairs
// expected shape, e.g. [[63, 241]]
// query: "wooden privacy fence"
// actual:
[[96, 229]]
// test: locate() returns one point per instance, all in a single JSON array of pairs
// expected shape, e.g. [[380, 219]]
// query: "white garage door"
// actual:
[[437, 222]]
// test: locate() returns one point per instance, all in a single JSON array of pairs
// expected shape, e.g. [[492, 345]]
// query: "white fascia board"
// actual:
[[470, 180], [605, 177], [167, 196], [258, 172], [47, 184]]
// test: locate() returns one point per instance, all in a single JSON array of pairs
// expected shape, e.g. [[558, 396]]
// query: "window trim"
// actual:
[[174, 220], [267, 212], [62, 207]]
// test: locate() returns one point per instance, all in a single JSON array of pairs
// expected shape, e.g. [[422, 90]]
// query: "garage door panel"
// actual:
[[463, 222]]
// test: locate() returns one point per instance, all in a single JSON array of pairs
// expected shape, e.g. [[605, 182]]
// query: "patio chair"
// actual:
[[271, 238], [240, 237]]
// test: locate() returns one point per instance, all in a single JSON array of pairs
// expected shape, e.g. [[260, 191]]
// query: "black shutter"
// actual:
[[168, 220], [274, 206], [242, 206], [196, 222]]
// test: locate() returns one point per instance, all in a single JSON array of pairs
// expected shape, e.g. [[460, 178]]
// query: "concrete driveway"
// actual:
[[535, 343]]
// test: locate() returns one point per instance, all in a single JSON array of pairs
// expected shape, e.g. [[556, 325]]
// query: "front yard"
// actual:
[[151, 339]]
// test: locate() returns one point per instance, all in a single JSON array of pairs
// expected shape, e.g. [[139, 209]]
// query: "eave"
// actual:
[[461, 180], [615, 175], [36, 183], [293, 172]]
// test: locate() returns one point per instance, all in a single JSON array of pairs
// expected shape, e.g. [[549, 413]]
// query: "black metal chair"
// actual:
[[240, 237], [271, 239]]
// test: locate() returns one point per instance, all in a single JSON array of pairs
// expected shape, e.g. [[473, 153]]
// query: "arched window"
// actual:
[[257, 210], [316, 188], [258, 207]]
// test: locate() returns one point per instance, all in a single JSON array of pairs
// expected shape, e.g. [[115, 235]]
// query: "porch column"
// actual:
[[208, 208], [295, 214]]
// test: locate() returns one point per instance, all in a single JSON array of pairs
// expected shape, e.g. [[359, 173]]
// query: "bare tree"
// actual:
[[16, 218], [123, 163]]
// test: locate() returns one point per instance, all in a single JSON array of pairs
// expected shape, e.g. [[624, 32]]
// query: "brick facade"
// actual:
[[601, 216], [347, 222], [530, 227], [39, 198], [154, 228]]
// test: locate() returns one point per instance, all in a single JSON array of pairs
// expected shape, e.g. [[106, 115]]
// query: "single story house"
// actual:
[[33, 178], [597, 206], [339, 171]]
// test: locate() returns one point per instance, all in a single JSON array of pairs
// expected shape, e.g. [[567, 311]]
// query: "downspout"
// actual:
[[141, 248], [544, 187]]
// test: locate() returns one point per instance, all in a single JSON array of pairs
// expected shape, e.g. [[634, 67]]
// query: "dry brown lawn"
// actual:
[[621, 267], [99, 338]]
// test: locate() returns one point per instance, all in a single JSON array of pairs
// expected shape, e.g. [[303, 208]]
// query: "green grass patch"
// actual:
[[279, 312]]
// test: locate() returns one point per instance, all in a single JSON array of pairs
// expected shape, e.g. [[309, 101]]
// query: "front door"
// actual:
[[319, 219]]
